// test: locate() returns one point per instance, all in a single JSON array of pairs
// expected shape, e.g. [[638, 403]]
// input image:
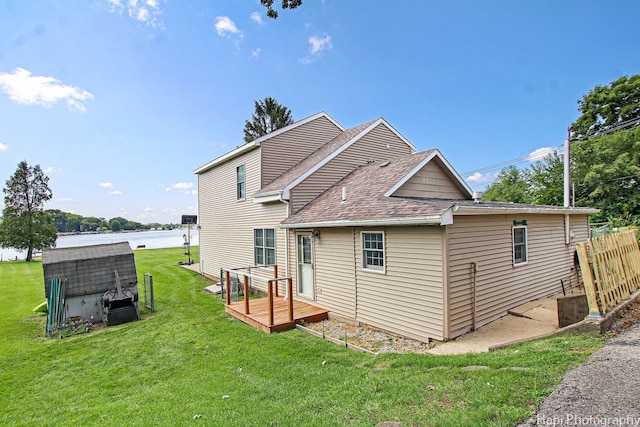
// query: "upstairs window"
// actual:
[[520, 245], [240, 183], [373, 251], [264, 246]]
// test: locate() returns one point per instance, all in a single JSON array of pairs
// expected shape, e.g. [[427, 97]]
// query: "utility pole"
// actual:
[[567, 186]]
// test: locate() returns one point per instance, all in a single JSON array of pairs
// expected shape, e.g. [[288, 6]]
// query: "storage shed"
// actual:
[[93, 273]]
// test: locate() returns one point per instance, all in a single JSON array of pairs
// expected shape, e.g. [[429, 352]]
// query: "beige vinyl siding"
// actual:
[[408, 298], [335, 271], [283, 151], [226, 224], [501, 285], [377, 145], [430, 181]]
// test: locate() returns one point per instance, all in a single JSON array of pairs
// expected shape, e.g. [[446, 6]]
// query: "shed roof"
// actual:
[[55, 255]]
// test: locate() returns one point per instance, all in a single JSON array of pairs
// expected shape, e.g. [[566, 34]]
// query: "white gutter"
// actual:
[[422, 220], [226, 157], [489, 210], [272, 196]]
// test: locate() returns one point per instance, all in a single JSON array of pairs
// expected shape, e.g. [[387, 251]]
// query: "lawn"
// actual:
[[190, 364]]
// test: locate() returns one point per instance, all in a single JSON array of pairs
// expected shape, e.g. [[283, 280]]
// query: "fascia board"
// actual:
[[273, 196], [447, 165], [492, 210], [286, 191], [398, 134], [226, 157], [256, 142], [420, 220]]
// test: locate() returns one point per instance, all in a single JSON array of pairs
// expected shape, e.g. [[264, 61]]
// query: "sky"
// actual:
[[119, 101]]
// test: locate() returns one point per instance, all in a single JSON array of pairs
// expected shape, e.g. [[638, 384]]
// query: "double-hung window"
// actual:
[[372, 250], [264, 246], [520, 255], [240, 183]]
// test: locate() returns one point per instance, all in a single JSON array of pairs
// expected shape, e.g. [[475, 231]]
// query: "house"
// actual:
[[376, 232]]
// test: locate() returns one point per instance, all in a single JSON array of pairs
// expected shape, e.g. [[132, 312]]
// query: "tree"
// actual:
[[606, 107], [26, 225], [59, 219], [268, 116], [546, 181], [90, 223], [286, 4], [511, 185], [606, 171]]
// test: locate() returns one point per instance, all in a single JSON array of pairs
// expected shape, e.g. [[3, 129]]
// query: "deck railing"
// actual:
[[272, 288]]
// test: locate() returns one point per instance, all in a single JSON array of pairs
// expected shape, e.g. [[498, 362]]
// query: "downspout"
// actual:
[[474, 293], [286, 243]]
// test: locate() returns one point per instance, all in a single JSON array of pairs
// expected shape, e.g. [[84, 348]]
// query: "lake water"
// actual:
[[148, 239]]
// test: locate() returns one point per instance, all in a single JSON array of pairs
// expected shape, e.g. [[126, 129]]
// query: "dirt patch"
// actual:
[[369, 338], [628, 317]]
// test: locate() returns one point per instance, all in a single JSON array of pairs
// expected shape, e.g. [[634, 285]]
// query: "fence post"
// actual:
[[589, 282], [246, 295], [270, 299], [290, 296], [227, 282], [275, 276]]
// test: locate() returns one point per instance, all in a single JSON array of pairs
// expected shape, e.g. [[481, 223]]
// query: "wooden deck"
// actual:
[[258, 316]]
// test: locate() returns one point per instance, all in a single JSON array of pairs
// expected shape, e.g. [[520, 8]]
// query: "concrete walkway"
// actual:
[[534, 319]]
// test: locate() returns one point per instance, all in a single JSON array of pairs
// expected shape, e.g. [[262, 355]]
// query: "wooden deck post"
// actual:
[[290, 296], [246, 295], [270, 298], [228, 283], [275, 276]]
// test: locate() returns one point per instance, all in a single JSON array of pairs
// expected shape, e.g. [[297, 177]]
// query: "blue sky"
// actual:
[[119, 101]]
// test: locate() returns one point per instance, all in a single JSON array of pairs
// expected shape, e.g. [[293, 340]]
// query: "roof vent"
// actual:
[[384, 164], [477, 196]]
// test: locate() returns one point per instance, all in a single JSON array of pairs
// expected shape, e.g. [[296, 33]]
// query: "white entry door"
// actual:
[[305, 265]]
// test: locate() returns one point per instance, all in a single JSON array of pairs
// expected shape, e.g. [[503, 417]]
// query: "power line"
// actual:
[[519, 160]]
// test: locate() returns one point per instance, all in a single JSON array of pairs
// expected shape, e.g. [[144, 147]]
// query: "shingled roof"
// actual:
[[367, 201]]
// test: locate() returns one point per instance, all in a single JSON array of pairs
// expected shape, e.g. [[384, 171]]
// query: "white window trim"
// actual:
[[513, 245], [382, 270], [265, 247], [244, 196]]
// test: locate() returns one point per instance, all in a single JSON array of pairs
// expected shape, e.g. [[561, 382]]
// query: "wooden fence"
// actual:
[[611, 270]]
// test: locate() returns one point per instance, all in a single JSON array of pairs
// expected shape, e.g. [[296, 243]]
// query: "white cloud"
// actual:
[[148, 209], [479, 178], [255, 54], [317, 45], [65, 199], [225, 27], [3, 147], [25, 88], [180, 186], [147, 12], [257, 18], [183, 187], [115, 192], [51, 169], [106, 185], [540, 154]]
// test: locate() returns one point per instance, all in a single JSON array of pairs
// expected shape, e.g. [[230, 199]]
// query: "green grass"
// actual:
[[183, 360]]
